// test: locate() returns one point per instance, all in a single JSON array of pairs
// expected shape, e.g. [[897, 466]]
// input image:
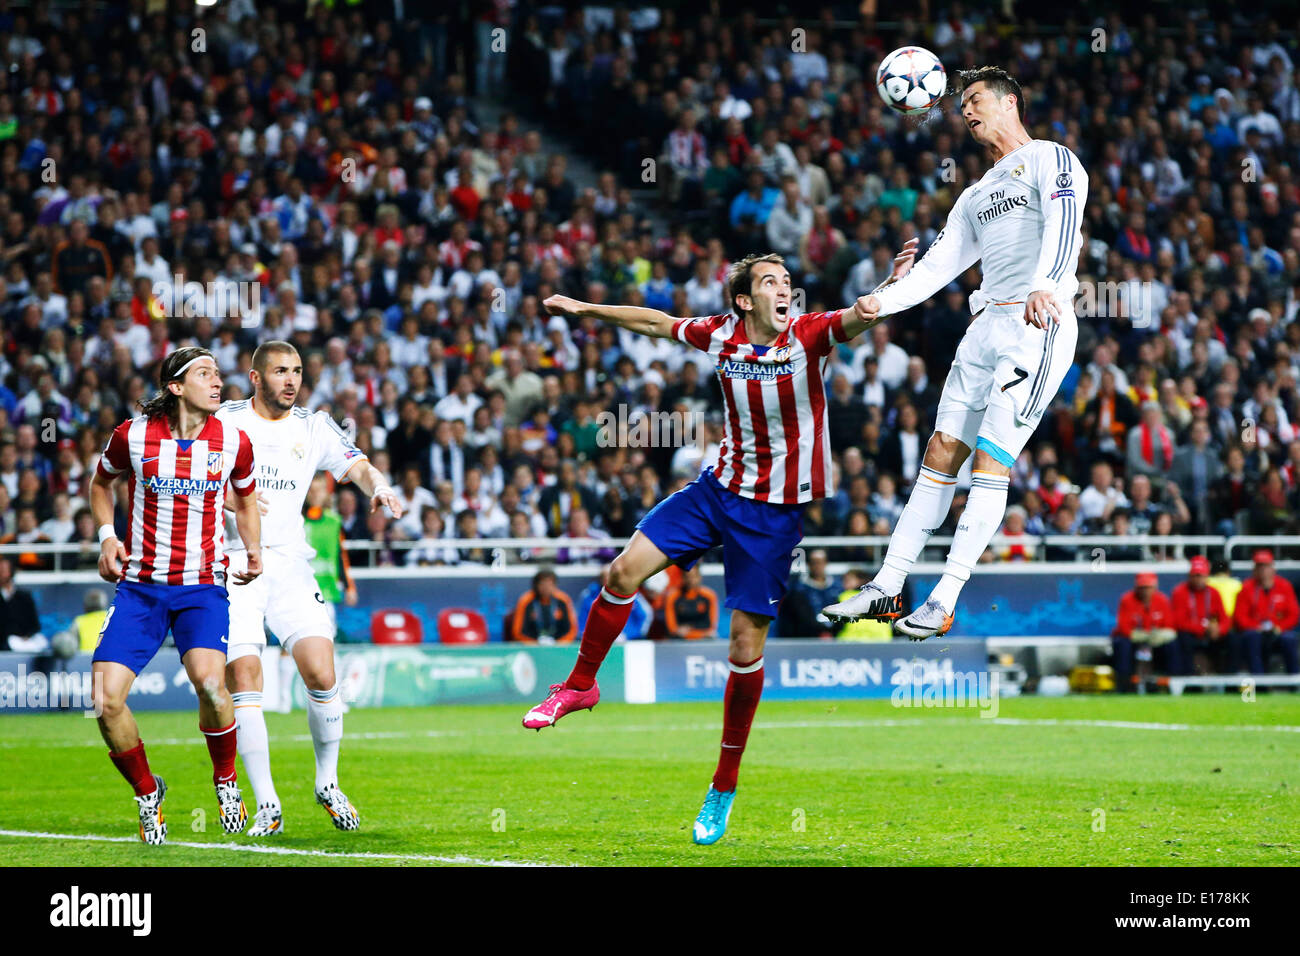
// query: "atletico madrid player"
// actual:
[[774, 459], [171, 570]]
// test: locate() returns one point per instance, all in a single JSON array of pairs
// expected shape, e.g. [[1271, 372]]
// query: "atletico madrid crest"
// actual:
[[214, 462]]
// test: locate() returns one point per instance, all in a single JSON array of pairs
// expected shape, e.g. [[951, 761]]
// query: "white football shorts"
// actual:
[[284, 598], [1003, 377]]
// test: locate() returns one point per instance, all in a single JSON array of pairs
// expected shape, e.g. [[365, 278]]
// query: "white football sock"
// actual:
[[288, 671], [926, 509], [254, 748], [985, 507], [271, 676], [325, 718]]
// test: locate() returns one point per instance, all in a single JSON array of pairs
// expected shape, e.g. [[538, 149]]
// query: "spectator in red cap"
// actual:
[[1266, 618], [1201, 621], [1146, 620]]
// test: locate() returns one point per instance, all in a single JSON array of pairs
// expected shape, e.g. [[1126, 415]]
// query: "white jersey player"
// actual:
[[1021, 221], [290, 445]]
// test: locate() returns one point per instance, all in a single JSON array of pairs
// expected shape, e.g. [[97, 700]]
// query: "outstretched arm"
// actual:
[[953, 251], [634, 318], [859, 318]]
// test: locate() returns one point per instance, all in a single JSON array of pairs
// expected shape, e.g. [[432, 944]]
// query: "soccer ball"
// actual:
[[911, 80], [64, 645]]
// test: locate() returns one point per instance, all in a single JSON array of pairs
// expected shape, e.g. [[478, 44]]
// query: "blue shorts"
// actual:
[[758, 539], [198, 615]]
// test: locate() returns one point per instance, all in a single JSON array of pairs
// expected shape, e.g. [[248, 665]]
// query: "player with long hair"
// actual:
[[171, 570]]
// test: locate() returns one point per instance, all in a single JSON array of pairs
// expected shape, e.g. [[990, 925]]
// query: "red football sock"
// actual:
[[134, 766], [744, 687], [222, 749], [605, 622]]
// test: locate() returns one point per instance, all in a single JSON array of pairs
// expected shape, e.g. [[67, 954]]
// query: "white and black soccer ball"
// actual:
[[65, 645], [911, 80]]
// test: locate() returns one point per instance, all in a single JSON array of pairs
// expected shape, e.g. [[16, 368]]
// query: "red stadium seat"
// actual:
[[460, 625], [395, 626]]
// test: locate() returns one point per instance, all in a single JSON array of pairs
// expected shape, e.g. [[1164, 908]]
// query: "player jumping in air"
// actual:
[[1022, 221], [171, 571], [290, 445], [774, 459]]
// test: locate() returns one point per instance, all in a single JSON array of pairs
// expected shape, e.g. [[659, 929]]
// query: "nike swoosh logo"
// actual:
[[773, 600], [145, 461], [224, 639]]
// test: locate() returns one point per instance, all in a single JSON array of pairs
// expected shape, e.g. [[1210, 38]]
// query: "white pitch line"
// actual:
[[274, 850], [770, 725], [1043, 722]]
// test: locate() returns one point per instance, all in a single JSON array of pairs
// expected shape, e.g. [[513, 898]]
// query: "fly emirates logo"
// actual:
[[268, 479], [999, 203]]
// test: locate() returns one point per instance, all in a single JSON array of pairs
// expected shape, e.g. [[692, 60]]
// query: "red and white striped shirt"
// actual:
[[177, 491], [776, 446]]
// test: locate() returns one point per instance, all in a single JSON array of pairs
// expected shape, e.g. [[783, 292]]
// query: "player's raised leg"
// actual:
[[980, 520], [606, 620], [315, 659], [111, 684], [957, 422], [244, 681], [1032, 363], [881, 599]]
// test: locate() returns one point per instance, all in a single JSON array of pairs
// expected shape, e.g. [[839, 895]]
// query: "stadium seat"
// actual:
[[395, 626], [460, 625]]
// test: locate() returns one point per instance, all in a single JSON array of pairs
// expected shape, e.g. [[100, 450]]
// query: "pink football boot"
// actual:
[[562, 700]]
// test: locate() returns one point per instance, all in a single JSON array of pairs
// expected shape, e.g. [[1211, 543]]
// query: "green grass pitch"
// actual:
[[1073, 781]]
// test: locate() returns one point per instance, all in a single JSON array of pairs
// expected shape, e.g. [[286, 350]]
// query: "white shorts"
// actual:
[[284, 598], [1003, 377]]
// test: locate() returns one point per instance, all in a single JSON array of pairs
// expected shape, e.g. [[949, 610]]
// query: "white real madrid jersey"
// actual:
[[287, 453], [1020, 221]]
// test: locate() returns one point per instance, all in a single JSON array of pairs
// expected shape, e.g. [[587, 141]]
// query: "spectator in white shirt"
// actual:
[[1257, 118], [298, 315], [790, 221], [151, 265], [59, 527], [409, 347], [461, 403], [1100, 498], [414, 499], [703, 291], [892, 359]]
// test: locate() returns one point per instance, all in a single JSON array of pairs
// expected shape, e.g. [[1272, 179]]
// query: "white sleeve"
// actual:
[[1062, 192], [953, 251], [335, 452]]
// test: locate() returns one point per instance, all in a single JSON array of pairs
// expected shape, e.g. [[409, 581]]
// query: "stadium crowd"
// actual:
[[324, 175]]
